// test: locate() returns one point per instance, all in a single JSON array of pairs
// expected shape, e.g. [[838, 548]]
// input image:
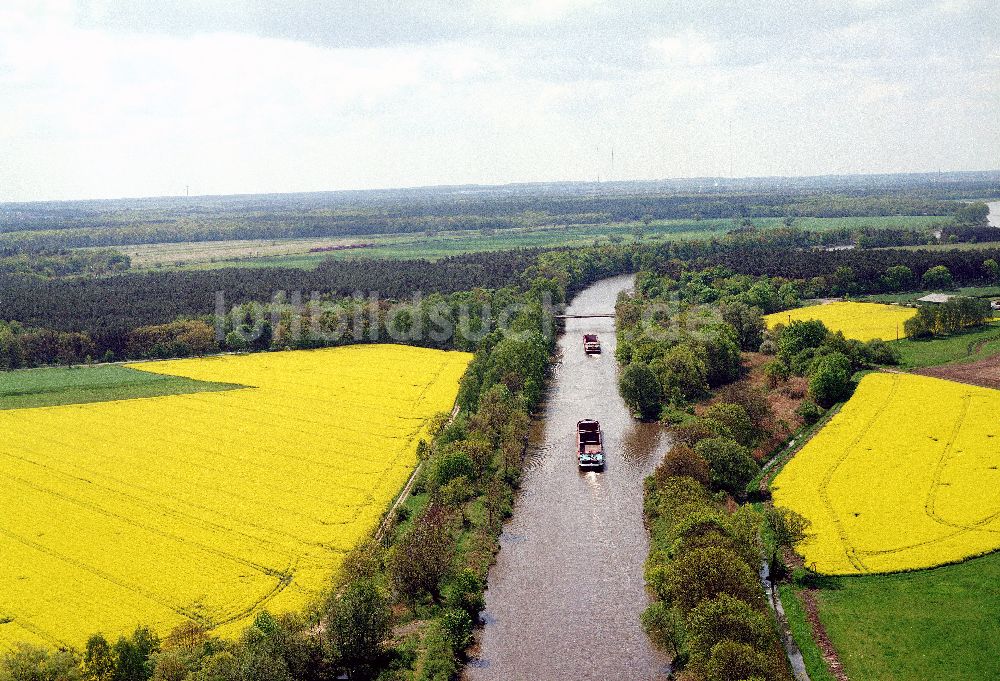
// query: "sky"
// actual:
[[114, 98]]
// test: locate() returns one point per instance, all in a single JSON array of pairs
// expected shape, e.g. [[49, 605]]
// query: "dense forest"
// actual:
[[114, 303]]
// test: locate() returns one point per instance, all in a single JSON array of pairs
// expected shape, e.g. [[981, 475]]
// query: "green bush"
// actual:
[[730, 421], [640, 389], [665, 628], [809, 412], [437, 659], [938, 278], [830, 379], [449, 464], [464, 590], [681, 460], [457, 626], [726, 618], [730, 463]]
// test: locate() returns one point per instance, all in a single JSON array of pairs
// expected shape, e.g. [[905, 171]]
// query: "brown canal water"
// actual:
[[567, 589]]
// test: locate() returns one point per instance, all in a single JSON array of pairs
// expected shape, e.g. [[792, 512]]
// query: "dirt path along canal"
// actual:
[[567, 590]]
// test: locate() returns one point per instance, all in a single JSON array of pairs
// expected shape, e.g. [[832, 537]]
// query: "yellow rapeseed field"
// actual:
[[207, 506], [906, 476], [862, 321]]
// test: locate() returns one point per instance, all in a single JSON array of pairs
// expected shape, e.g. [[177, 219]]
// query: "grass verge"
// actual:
[[798, 624]]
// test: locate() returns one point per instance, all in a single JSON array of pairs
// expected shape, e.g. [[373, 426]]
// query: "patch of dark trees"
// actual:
[[110, 305], [863, 270]]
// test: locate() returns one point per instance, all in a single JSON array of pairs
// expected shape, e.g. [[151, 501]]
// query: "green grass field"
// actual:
[[49, 386], [964, 347], [294, 252], [911, 296], [933, 624]]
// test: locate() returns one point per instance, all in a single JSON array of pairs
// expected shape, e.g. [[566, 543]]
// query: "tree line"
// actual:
[[61, 263], [38, 226], [680, 343], [67, 320]]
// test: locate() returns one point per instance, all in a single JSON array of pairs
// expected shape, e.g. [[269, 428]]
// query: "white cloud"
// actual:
[[689, 48], [539, 11], [122, 105]]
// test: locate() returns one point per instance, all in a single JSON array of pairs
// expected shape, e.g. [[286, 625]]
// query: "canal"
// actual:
[[567, 589]]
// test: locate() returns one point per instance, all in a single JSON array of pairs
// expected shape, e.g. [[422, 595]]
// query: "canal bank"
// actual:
[[567, 590]]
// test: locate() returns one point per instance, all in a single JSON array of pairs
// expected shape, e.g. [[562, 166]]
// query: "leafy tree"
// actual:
[[464, 590], [938, 278], [493, 417], [992, 270], [31, 663], [423, 556], [922, 324], [665, 627], [788, 527], [735, 661], [731, 421], [722, 357], [898, 278], [359, 623], [764, 296], [449, 464], [133, 655], [745, 525], [726, 618], [844, 281], [683, 372], [98, 660], [706, 573], [698, 529], [830, 379], [973, 214], [801, 335], [640, 390], [747, 322], [519, 361], [219, 666], [949, 317], [681, 460], [879, 352], [731, 464], [236, 341]]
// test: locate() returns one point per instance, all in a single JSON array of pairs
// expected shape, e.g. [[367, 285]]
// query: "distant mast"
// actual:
[[732, 174]]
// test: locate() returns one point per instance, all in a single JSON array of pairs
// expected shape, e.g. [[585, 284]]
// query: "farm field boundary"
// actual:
[[869, 518], [52, 386], [234, 499], [861, 321]]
